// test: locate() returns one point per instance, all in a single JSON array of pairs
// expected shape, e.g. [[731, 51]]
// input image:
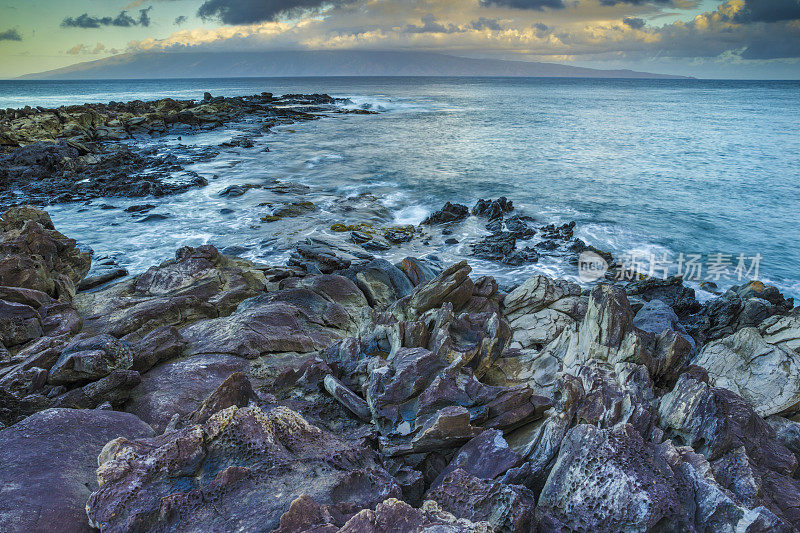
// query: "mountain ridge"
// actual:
[[323, 63]]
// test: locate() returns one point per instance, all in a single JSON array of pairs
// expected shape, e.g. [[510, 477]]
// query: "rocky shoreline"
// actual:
[[81, 152], [342, 392]]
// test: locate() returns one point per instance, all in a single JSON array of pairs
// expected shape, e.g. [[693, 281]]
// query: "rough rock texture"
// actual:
[[243, 466], [764, 374], [48, 466], [507, 508], [34, 255], [740, 307], [395, 515], [198, 283], [611, 480], [541, 308]]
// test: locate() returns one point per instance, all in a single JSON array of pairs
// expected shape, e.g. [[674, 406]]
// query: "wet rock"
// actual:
[[381, 282], [92, 282], [244, 464], [418, 271], [493, 208], [738, 308], [502, 247], [452, 285], [34, 255], [565, 232], [49, 462], [198, 283], [541, 308], [448, 213]]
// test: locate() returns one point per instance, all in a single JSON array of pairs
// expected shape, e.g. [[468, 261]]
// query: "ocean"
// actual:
[[652, 169]]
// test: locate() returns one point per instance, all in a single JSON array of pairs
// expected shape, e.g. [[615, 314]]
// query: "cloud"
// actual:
[[634, 2], [254, 11], [584, 31], [537, 5], [768, 11], [100, 48], [486, 24], [431, 26], [123, 20], [180, 20], [633, 22], [77, 49], [10, 35]]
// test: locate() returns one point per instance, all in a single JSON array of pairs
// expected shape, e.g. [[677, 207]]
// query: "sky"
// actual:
[[705, 38]]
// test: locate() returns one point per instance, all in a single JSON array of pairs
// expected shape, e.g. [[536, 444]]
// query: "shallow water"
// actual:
[[666, 166]]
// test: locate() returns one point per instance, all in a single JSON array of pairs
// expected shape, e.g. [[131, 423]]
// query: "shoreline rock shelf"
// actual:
[[348, 393], [79, 152]]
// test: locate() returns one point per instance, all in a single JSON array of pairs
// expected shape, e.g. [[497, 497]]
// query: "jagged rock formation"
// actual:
[[349, 394]]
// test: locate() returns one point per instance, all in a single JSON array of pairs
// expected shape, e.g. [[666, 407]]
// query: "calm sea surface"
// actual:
[[643, 166]]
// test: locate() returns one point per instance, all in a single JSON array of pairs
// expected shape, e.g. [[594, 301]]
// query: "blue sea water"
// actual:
[[644, 166]]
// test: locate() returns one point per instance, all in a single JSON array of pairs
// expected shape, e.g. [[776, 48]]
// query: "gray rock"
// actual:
[[611, 480], [766, 375], [90, 358]]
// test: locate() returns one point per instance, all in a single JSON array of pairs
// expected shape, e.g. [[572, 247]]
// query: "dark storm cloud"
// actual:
[[633, 22], [180, 20], [254, 11], [10, 35], [123, 20], [486, 24], [768, 11], [538, 5]]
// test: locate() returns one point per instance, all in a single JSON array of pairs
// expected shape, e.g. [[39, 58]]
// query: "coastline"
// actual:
[[338, 390]]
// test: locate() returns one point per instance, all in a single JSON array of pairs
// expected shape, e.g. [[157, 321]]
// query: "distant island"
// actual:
[[317, 63]]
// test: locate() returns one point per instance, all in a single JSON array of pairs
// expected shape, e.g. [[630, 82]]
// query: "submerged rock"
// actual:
[[448, 213]]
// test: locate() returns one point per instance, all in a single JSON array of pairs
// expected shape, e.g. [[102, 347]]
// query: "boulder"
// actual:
[[492, 209], [487, 457], [670, 291], [507, 508], [541, 308], [452, 285], [198, 283], [49, 462], [244, 465], [448, 213], [34, 255], [740, 307], [716, 421], [764, 374], [611, 480], [180, 386], [90, 358]]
